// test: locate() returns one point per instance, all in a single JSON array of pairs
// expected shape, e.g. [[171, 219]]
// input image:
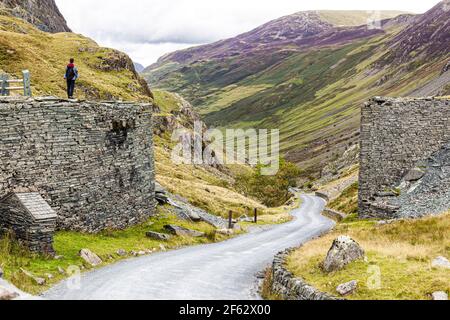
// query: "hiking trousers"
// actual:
[[70, 88]]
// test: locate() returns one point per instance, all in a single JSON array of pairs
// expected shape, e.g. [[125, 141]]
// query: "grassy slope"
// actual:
[[312, 96], [402, 251], [355, 17], [347, 202], [205, 187], [103, 72]]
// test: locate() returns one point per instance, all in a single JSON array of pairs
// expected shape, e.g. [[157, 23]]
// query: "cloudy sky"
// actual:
[[147, 29]]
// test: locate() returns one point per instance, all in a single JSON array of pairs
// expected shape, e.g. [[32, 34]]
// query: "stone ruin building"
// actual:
[[83, 166], [405, 157]]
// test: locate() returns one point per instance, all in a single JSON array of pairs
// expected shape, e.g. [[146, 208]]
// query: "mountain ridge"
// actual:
[[44, 14], [312, 88]]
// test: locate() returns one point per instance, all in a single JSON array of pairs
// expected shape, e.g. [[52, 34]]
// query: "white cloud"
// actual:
[[147, 29]]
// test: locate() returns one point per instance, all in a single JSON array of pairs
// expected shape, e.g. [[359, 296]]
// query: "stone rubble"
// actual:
[[188, 212]]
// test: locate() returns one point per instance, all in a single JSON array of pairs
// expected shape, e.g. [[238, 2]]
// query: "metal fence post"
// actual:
[[230, 220], [4, 84], [26, 83], [256, 215]]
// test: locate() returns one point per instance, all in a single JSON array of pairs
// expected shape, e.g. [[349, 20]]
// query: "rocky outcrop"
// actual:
[[184, 210], [44, 14], [344, 251], [288, 287]]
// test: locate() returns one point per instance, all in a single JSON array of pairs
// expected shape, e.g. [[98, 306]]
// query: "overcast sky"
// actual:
[[147, 29]]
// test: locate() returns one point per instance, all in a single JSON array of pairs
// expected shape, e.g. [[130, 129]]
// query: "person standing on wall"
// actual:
[[71, 76]]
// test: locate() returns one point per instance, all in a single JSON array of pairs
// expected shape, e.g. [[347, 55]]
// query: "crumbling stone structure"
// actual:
[[31, 219], [91, 161], [398, 138]]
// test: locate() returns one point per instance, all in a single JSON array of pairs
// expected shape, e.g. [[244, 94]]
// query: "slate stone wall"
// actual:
[[286, 286], [35, 232], [396, 135], [92, 161]]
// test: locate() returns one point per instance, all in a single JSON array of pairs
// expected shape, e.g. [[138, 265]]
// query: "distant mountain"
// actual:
[[44, 14], [308, 74], [139, 67]]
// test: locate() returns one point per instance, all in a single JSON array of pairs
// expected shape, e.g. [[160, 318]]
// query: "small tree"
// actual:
[[273, 191]]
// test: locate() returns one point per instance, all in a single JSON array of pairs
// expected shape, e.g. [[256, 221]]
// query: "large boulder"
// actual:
[[344, 251], [90, 257], [183, 232]]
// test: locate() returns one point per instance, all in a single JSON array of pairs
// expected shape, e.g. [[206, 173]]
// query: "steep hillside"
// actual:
[[104, 73], [208, 187], [307, 75], [44, 14]]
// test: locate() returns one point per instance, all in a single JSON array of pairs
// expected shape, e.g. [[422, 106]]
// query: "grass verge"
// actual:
[[399, 259], [13, 257]]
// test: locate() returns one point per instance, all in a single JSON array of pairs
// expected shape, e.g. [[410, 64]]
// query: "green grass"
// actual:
[[401, 253], [104, 73], [312, 95], [347, 202]]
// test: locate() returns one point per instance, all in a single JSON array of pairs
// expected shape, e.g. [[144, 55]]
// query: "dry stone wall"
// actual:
[[397, 135], [288, 287], [91, 161]]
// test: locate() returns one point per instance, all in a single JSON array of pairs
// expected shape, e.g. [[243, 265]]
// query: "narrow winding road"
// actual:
[[220, 271]]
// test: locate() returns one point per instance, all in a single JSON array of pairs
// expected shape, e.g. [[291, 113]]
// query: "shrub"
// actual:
[[273, 191]]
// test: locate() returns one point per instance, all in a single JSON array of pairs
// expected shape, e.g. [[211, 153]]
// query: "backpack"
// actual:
[[70, 73]]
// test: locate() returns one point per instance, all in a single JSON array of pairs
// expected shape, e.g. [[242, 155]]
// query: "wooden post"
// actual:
[[4, 84], [256, 215], [230, 220], [26, 83]]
